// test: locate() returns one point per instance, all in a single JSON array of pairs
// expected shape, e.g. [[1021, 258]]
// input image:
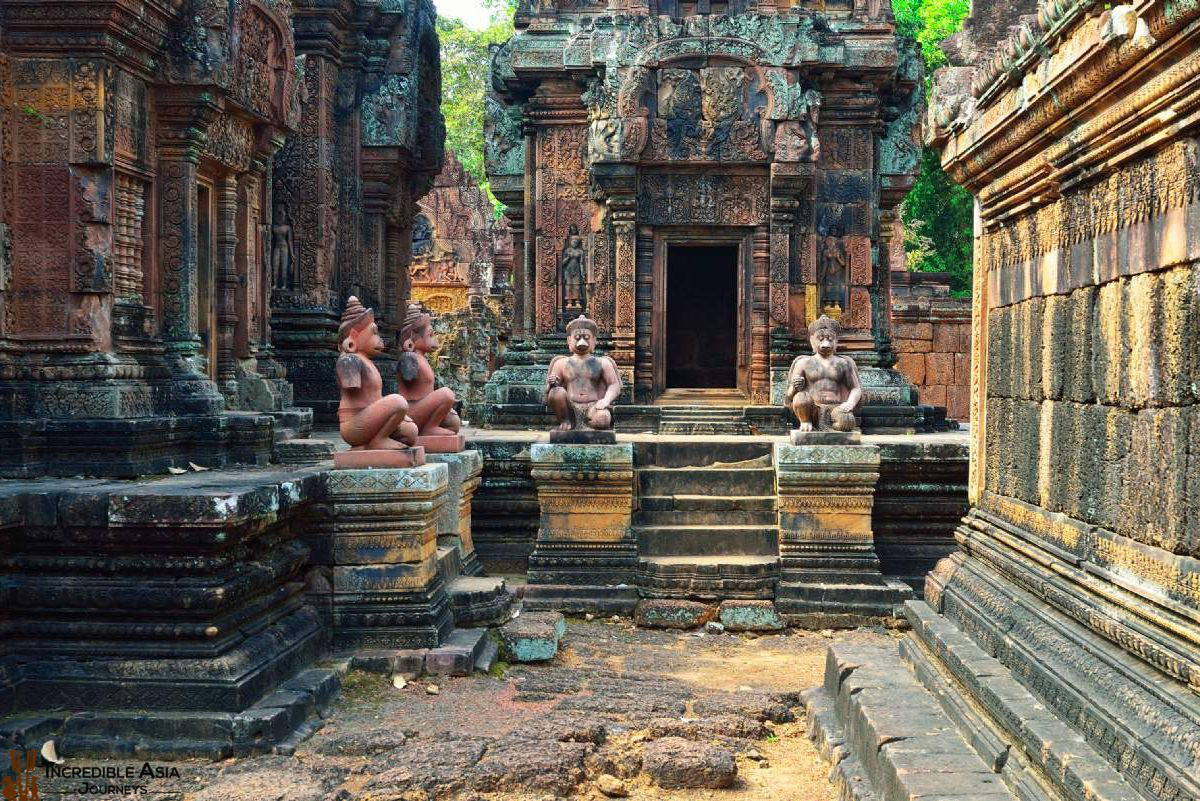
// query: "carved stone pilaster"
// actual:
[[830, 572], [454, 522], [585, 557]]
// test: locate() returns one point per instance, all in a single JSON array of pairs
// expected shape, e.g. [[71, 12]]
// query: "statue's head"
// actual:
[[573, 238], [823, 335], [358, 332], [416, 334], [581, 335], [280, 214]]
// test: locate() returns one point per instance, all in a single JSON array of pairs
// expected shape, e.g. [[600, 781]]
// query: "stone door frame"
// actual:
[[665, 236]]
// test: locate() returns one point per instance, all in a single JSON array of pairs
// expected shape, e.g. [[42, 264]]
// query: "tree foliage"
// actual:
[[465, 70], [937, 213]]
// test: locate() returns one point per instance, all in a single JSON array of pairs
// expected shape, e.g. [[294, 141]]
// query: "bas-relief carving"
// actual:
[[703, 199]]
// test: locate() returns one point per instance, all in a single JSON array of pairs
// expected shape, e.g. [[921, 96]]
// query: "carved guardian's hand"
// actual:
[[847, 408], [553, 381], [798, 384], [601, 405]]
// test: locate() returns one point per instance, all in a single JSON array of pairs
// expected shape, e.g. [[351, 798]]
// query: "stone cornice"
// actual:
[[1097, 89]]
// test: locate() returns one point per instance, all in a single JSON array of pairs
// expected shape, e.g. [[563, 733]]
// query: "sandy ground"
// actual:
[[547, 731]]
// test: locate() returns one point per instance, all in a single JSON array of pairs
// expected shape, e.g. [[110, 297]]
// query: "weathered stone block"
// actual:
[[911, 364], [829, 570], [533, 636], [454, 521], [672, 614], [676, 763], [1111, 345], [747, 615], [939, 369], [1156, 482]]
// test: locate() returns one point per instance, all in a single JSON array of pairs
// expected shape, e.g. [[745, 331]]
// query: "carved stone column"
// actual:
[[830, 572], [624, 213], [226, 284], [783, 212], [760, 379], [183, 116], [643, 371], [585, 557]]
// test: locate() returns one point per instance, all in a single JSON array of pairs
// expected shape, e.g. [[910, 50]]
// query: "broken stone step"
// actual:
[[533, 636], [907, 750], [689, 453], [479, 600], [747, 615], [672, 614], [302, 451], [706, 481], [708, 577], [708, 540]]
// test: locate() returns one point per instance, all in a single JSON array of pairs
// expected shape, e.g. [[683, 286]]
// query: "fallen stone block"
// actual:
[[533, 636], [672, 614], [750, 616], [676, 763]]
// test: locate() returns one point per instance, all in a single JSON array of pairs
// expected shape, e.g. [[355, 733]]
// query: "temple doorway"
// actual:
[[702, 317]]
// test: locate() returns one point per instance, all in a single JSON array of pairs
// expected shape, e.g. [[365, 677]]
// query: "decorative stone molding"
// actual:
[[585, 556]]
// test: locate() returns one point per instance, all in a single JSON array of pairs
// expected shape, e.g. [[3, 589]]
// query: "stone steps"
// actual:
[[704, 517], [706, 481], [889, 738], [708, 540], [1006, 724], [699, 419], [708, 577], [1001, 744], [706, 453]]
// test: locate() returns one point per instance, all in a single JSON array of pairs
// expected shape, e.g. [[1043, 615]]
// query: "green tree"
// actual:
[[465, 74], [937, 212]]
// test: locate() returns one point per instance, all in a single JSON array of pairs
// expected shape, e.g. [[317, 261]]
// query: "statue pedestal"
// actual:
[[585, 557], [380, 543], [382, 458], [826, 437], [830, 573], [442, 443], [454, 521], [587, 437]]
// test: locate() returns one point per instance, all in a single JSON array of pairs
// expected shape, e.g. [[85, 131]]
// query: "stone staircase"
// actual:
[[706, 526], [692, 420]]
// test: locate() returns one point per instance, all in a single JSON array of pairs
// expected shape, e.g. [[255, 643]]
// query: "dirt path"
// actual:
[[549, 731]]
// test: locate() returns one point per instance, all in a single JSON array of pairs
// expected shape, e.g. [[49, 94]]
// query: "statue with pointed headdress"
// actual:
[[431, 408], [581, 388], [367, 419]]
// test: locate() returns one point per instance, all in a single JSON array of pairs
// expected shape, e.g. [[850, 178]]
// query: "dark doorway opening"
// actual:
[[701, 316]]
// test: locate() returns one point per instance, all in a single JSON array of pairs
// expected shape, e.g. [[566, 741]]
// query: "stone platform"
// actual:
[[184, 615], [706, 525]]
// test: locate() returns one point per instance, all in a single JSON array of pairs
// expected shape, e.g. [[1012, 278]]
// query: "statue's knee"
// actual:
[[601, 419], [396, 403], [842, 421], [557, 396]]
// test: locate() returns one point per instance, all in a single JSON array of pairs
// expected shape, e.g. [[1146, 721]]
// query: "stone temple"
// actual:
[[728, 173], [284, 404]]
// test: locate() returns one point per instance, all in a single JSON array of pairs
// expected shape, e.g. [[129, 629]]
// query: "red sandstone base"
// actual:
[[442, 443], [358, 459]]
